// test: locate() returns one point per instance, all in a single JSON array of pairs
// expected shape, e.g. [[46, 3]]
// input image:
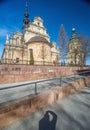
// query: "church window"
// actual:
[[31, 51], [17, 60], [38, 24]]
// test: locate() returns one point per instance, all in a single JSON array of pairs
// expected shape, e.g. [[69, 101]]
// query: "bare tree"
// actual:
[[85, 47], [62, 43]]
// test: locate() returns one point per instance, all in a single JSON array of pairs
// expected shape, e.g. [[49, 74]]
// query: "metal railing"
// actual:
[[26, 62], [59, 82]]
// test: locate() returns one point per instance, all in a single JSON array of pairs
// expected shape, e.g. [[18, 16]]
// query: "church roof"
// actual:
[[38, 39]]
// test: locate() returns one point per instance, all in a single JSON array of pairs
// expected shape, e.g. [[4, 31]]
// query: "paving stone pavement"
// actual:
[[70, 113]]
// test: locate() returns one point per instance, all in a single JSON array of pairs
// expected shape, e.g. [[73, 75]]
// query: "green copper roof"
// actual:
[[74, 37]]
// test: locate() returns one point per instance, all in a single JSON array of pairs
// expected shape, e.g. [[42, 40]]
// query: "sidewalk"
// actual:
[[70, 113]]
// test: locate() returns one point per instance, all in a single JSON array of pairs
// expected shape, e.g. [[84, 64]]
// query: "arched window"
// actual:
[[31, 51], [38, 24], [17, 60]]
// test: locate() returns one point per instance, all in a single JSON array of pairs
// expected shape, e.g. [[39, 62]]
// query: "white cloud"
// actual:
[[3, 32]]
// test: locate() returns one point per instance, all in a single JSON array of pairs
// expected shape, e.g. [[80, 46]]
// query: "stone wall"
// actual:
[[19, 73]]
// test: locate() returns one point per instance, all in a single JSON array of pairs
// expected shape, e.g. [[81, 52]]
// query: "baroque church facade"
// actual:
[[75, 55], [32, 46]]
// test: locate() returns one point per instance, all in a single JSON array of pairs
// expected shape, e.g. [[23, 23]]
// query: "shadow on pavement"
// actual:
[[48, 122], [84, 72]]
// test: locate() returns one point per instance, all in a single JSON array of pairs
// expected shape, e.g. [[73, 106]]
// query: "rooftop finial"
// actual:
[[26, 3], [26, 6]]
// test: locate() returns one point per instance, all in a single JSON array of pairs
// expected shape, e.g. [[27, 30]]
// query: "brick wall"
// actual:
[[19, 73]]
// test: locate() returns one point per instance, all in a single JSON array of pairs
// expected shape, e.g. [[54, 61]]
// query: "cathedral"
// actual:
[[75, 54], [32, 46]]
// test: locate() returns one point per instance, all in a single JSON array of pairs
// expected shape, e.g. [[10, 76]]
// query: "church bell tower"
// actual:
[[26, 17]]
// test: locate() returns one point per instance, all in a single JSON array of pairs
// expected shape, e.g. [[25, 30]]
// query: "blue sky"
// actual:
[[70, 13]]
